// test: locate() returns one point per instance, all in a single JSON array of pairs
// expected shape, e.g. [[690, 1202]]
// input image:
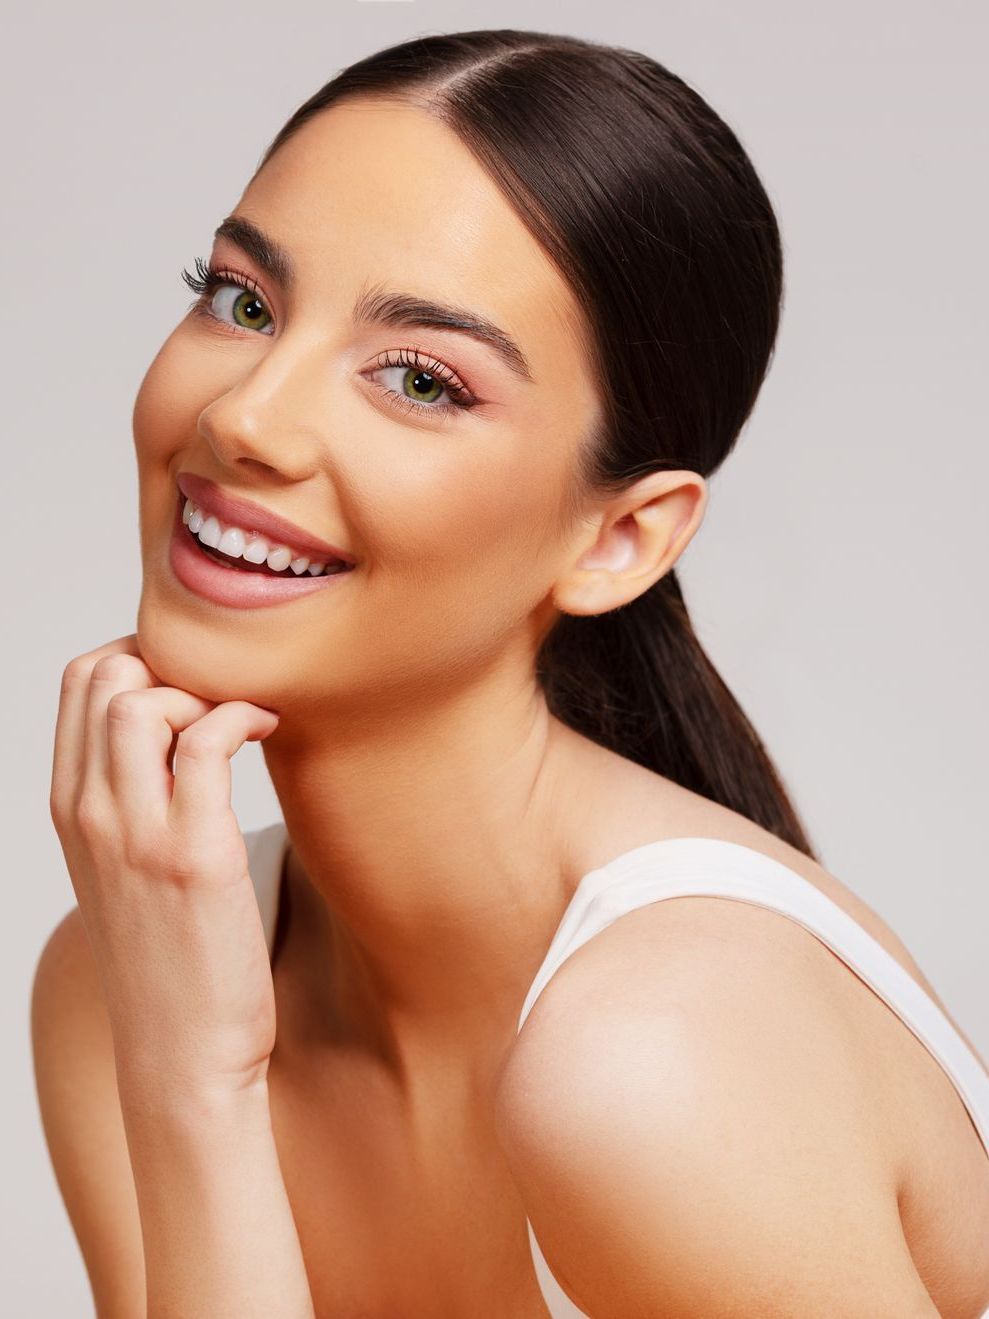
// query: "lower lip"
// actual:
[[232, 586]]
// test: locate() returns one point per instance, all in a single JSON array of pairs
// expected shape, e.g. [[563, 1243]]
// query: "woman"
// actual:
[[415, 472]]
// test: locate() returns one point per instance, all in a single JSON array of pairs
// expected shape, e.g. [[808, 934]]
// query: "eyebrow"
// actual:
[[377, 305]]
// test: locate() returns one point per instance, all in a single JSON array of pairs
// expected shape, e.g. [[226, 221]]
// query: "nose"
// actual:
[[269, 416]]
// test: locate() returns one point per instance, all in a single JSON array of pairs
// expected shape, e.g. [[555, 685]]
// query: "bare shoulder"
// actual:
[[75, 1077], [691, 1093], [707, 970], [715, 989]]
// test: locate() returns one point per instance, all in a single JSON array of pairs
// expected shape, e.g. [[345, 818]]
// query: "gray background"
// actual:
[[838, 580]]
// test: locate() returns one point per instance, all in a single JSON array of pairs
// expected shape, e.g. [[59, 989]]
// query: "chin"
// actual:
[[180, 655]]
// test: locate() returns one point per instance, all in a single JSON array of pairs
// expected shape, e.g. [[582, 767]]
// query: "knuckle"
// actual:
[[56, 809], [88, 815], [123, 707], [110, 667], [76, 671], [58, 795], [195, 744]]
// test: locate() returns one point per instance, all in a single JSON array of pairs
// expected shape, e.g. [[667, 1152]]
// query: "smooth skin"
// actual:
[[140, 799], [440, 820]]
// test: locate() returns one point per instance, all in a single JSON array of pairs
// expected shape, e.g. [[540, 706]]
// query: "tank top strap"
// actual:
[[714, 867]]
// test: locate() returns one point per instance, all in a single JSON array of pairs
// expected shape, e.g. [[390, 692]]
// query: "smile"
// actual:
[[227, 565], [255, 553]]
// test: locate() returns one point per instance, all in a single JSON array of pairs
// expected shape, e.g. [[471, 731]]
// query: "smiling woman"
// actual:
[[548, 949]]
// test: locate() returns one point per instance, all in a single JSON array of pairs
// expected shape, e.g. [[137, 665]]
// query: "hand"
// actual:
[[159, 868]]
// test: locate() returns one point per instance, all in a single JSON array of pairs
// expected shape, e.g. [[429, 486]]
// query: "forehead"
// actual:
[[384, 191]]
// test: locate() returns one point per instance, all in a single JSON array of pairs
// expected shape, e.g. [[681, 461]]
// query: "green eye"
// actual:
[[424, 388], [419, 380], [245, 308]]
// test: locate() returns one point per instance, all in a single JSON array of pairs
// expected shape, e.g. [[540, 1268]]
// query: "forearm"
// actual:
[[219, 1238]]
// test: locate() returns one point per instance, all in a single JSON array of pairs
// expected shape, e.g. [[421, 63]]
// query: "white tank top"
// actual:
[[673, 868]]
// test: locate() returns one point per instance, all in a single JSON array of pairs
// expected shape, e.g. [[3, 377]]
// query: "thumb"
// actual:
[[263, 725]]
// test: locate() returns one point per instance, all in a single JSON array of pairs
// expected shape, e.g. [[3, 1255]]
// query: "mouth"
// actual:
[[226, 577], [248, 552]]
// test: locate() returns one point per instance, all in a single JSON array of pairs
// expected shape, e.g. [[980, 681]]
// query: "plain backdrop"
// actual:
[[838, 579]]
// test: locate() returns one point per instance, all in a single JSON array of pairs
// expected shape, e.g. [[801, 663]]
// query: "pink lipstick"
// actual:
[[251, 517], [242, 588]]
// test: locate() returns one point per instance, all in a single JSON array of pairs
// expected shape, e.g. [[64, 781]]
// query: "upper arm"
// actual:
[[693, 1133], [75, 1075]]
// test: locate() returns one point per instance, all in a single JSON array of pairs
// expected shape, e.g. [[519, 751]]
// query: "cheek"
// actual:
[[466, 547], [456, 507], [172, 394], [509, 510], [176, 387]]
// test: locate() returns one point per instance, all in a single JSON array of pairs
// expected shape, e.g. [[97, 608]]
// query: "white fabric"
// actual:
[[677, 867]]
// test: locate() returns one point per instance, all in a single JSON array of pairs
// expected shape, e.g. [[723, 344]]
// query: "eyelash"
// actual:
[[209, 278]]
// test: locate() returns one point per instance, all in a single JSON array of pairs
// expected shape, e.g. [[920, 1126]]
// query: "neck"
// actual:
[[433, 852]]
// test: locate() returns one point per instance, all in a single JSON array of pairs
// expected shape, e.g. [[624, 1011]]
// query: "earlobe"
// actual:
[[587, 591]]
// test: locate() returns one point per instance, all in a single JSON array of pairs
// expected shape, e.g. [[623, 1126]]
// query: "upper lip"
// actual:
[[251, 517]]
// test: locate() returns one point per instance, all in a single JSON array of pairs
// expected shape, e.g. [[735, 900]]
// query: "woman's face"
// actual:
[[453, 514]]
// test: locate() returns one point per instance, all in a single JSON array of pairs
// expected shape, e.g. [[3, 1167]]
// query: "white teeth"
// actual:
[[256, 549], [209, 533], [279, 558], [232, 542]]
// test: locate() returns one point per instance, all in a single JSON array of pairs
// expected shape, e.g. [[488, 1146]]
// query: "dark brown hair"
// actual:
[[653, 212]]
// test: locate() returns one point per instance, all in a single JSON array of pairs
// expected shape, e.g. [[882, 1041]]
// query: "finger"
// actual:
[[141, 726], [119, 672], [202, 760], [69, 749]]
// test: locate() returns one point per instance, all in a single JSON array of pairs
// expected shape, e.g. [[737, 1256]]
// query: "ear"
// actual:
[[637, 537]]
